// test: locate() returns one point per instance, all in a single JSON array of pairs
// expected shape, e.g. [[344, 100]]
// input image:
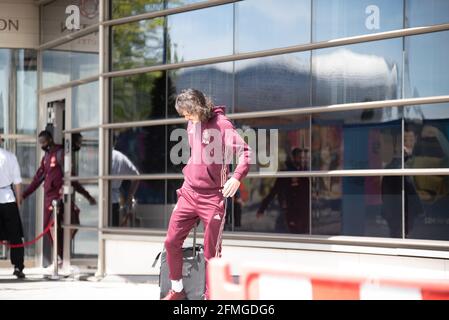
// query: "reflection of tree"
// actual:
[[137, 44], [139, 97]]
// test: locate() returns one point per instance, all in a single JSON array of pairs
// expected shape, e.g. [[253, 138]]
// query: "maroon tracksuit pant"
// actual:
[[191, 205]]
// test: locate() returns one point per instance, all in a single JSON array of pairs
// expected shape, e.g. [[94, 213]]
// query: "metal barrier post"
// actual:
[[55, 275]]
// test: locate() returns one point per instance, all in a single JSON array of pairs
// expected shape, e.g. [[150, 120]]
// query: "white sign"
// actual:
[[19, 24]]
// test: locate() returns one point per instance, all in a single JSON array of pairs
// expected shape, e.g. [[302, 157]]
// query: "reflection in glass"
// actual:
[[200, 34], [272, 205], [427, 71], [353, 206], [121, 200], [26, 156], [148, 209], [5, 75], [54, 16], [26, 66], [268, 24], [74, 60], [126, 8], [292, 141], [85, 159], [357, 73], [426, 136], [279, 82], [215, 81], [28, 216], [422, 13], [138, 97], [433, 221], [86, 211], [333, 19], [143, 146], [85, 244], [375, 134], [138, 44], [85, 105]]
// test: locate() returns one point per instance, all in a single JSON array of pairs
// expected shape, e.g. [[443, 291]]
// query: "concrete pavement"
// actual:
[[81, 285]]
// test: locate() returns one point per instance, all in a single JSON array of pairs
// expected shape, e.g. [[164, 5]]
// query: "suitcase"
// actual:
[[193, 271]]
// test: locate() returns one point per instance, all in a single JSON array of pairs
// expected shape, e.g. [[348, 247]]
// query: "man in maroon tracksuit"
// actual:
[[51, 172], [213, 140]]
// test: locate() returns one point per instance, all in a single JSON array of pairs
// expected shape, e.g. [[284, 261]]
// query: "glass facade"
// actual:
[[364, 139], [306, 59]]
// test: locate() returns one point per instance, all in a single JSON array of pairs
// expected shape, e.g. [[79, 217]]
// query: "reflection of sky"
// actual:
[[428, 64], [427, 12], [266, 24], [342, 18], [202, 34]]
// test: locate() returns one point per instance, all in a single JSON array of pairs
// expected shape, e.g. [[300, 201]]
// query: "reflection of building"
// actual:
[[137, 107]]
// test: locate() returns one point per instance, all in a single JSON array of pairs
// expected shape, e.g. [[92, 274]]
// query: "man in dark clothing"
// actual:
[[293, 195], [51, 172]]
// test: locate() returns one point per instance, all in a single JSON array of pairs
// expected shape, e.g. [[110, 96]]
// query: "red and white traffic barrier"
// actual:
[[269, 283]]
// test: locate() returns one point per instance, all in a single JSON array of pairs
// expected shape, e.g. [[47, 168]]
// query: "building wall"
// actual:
[[19, 24]]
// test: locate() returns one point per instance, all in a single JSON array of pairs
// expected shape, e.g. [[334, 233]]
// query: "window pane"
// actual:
[[5, 75], [179, 3], [86, 213], [357, 73], [278, 82], [26, 156], [200, 34], [141, 148], [215, 81], [429, 12], [85, 244], [268, 24], [426, 136], [85, 161], [28, 216], [375, 134], [147, 210], [74, 60], [333, 19], [85, 105], [26, 66], [428, 201], [138, 44], [54, 16], [126, 8], [278, 143], [138, 97], [272, 205], [354, 206], [427, 71]]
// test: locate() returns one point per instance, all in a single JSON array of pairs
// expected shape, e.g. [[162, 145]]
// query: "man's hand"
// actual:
[[230, 187], [92, 201]]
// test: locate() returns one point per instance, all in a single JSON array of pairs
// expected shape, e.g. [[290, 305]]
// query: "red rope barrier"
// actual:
[[47, 229]]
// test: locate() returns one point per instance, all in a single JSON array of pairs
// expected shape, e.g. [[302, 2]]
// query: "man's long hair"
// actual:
[[194, 102]]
